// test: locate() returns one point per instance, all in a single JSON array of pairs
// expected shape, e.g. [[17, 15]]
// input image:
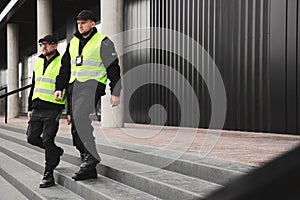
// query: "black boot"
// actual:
[[89, 162], [84, 174], [48, 180], [82, 156]]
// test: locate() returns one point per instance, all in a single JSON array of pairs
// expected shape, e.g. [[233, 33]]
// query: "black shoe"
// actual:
[[82, 155], [85, 174], [60, 152], [48, 180], [89, 162]]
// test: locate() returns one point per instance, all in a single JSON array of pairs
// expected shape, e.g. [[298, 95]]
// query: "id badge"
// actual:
[[79, 60]]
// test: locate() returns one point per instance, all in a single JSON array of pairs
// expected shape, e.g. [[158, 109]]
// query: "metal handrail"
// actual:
[[15, 91], [10, 93], [5, 90]]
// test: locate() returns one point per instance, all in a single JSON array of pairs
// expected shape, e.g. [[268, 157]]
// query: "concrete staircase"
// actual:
[[125, 172]]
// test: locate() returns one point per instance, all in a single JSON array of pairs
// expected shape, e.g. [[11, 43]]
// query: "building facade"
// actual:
[[253, 45]]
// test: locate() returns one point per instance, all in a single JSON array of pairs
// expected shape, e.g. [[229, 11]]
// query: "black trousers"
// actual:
[[76, 139], [83, 98], [41, 132]]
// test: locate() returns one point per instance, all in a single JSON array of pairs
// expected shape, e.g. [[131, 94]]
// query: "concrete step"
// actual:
[[136, 166], [8, 191], [100, 188], [209, 169], [158, 182], [26, 180], [212, 170]]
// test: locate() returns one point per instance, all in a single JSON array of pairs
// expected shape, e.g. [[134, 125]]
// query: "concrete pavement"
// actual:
[[235, 146]]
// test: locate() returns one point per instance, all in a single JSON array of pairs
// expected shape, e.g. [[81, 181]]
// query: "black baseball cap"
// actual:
[[49, 39], [85, 15]]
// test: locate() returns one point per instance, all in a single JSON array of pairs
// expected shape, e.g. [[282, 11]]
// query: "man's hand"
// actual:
[[114, 100], [29, 114], [69, 119], [57, 95]]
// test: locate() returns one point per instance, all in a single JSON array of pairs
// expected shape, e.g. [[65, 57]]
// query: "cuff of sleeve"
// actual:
[[57, 88], [116, 92]]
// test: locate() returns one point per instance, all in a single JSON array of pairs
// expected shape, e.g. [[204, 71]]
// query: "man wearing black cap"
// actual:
[[43, 109], [90, 59]]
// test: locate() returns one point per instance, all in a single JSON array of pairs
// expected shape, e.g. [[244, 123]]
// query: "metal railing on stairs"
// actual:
[[6, 94]]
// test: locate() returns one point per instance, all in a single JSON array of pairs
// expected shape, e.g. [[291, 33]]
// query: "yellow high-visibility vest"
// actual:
[[45, 83], [92, 66]]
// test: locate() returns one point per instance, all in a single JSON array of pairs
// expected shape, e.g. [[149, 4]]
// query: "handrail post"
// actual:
[[6, 98]]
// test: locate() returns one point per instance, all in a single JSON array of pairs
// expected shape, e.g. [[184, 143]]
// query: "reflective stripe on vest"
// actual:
[[82, 74], [92, 66], [46, 80], [89, 63], [45, 83], [46, 91]]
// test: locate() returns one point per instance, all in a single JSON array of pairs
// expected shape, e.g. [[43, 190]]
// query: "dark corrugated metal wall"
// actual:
[[284, 65], [254, 44], [137, 15]]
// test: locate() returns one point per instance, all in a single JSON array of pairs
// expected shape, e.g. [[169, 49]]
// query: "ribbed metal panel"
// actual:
[[255, 45], [235, 34], [298, 67], [137, 16], [284, 62]]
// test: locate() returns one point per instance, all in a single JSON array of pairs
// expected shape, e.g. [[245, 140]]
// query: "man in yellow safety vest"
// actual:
[[90, 59], [43, 110]]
